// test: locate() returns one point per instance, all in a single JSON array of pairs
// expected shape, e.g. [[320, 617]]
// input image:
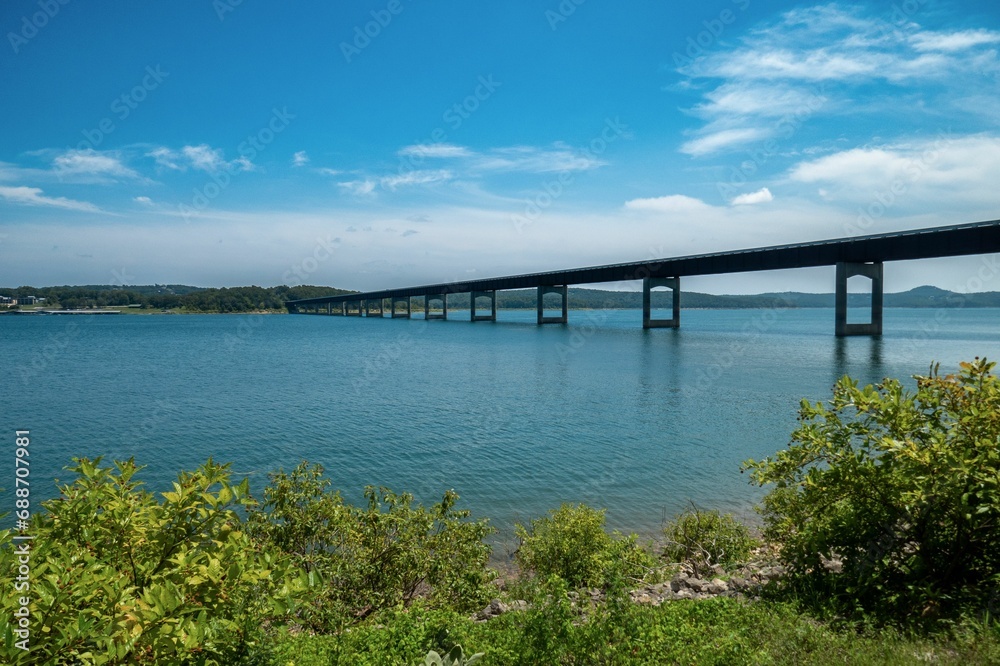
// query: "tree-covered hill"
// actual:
[[250, 299]]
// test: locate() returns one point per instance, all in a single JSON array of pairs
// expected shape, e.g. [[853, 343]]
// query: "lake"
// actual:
[[516, 417]]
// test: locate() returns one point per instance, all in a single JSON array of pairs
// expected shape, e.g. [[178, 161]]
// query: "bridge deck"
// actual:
[[951, 241]]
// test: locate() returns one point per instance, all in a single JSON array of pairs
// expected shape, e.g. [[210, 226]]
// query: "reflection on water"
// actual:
[[516, 417]]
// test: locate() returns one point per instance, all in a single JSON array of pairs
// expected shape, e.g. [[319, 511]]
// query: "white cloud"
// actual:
[[202, 157], [90, 163], [329, 172], [439, 150], [165, 158], [954, 41], [359, 187], [674, 203], [145, 201], [723, 139], [415, 178], [300, 158], [815, 60], [949, 171], [762, 195], [32, 196], [537, 160]]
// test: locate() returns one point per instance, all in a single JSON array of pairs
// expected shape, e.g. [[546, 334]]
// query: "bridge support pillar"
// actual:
[[329, 308], [848, 269], [648, 284], [394, 301], [444, 306], [369, 310], [492, 295], [562, 291]]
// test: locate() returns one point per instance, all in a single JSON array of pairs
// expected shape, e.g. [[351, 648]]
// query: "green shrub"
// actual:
[[120, 577], [571, 543], [372, 558], [903, 487], [707, 538]]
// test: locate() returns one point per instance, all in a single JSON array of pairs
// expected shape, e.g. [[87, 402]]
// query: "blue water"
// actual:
[[517, 418]]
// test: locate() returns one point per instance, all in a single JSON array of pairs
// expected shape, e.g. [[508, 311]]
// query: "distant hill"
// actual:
[[246, 299]]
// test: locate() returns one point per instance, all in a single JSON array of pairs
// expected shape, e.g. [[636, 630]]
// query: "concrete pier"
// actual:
[[369, 309], [490, 294], [400, 299], [563, 293], [444, 306], [846, 270], [648, 284]]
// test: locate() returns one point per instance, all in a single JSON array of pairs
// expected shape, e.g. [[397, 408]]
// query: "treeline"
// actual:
[[161, 297], [251, 299]]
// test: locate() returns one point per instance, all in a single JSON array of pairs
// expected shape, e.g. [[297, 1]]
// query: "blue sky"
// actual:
[[375, 144]]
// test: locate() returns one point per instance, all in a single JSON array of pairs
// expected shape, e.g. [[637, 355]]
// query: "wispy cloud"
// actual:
[[440, 150], [91, 165], [954, 41], [461, 164], [300, 159], [818, 60], [201, 157], [33, 196]]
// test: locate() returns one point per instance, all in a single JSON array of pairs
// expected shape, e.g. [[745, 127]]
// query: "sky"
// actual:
[[370, 145]]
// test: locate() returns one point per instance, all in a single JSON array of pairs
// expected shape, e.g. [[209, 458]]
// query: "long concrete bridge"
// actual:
[[862, 255]]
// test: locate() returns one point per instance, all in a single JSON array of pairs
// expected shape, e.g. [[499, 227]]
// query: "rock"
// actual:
[[738, 583], [717, 586], [495, 609]]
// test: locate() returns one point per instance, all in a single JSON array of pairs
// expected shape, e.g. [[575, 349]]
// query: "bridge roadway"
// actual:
[[862, 255]]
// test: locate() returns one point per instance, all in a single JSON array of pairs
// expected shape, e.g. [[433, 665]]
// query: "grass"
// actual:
[[713, 631]]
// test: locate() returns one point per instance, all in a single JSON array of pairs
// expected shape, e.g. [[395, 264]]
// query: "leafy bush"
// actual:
[[120, 577], [707, 538], [571, 543], [903, 487], [371, 558]]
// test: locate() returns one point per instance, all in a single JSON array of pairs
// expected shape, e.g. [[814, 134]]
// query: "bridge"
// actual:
[[862, 255]]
